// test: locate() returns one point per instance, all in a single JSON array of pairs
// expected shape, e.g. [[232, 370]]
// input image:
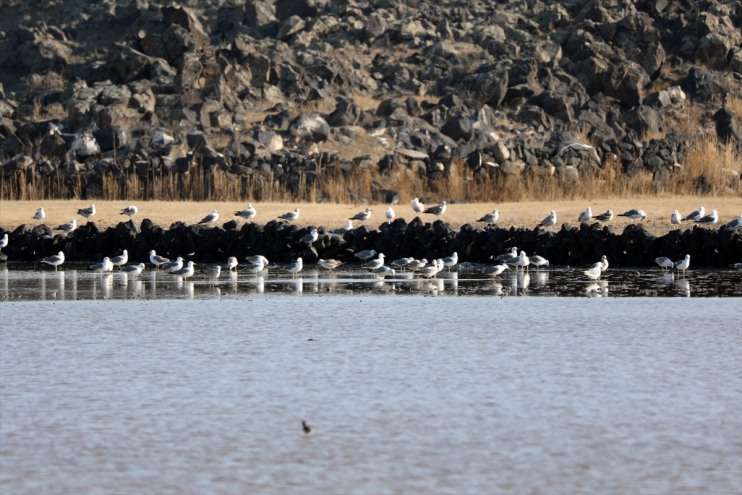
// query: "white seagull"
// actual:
[[156, 259], [603, 263], [258, 258], [40, 214], [133, 270], [210, 218], [490, 218], [329, 264], [709, 219], [173, 266], [604, 217], [417, 206], [212, 272], [384, 271], [634, 214], [291, 216], [549, 221], [129, 211], [365, 255], [696, 215], [258, 265], [310, 237], [436, 210], [87, 212], [495, 270], [68, 227], [343, 230], [362, 215], [248, 213], [4, 241], [55, 260], [594, 272], [294, 267], [664, 262], [513, 253], [103, 266], [586, 215], [683, 264], [121, 259], [538, 261], [389, 214], [450, 261], [675, 218], [735, 224], [375, 263], [231, 263], [185, 272], [522, 261]]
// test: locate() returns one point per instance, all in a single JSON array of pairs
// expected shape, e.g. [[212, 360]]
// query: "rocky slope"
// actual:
[[288, 90]]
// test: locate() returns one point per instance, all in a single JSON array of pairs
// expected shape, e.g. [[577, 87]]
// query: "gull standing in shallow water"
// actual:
[[495, 270], [294, 267], [231, 263], [664, 262], [635, 214], [594, 272], [212, 272], [329, 264], [210, 218], [129, 211], [258, 258], [683, 264], [156, 259], [310, 237], [365, 255], [54, 260], [103, 266], [133, 270], [121, 259], [603, 263], [186, 272], [376, 263], [40, 214], [173, 266], [538, 261], [450, 261]]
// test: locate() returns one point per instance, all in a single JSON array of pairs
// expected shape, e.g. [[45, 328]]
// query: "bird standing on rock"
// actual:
[[549, 221], [68, 227], [291, 216], [210, 218], [248, 213], [310, 237], [389, 214], [696, 215]]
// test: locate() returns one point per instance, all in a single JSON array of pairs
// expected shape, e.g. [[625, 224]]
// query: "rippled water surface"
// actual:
[[412, 394]]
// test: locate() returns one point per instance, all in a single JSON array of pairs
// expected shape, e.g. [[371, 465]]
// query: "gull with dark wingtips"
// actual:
[[40, 214], [68, 227], [294, 267], [495, 270], [129, 211], [664, 262], [87, 212], [248, 213], [586, 215], [675, 218], [696, 215], [290, 216], [210, 218], [490, 218], [374, 263], [121, 259], [133, 270], [329, 264], [310, 237], [683, 264], [594, 272], [604, 217], [172, 266], [186, 271], [55, 260], [103, 266], [634, 214], [709, 219], [436, 210], [549, 221], [362, 215]]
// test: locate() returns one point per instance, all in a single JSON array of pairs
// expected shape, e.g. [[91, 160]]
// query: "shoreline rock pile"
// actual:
[[281, 242], [284, 91]]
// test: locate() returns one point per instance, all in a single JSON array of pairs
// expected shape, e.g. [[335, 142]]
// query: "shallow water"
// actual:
[[22, 282], [408, 394]]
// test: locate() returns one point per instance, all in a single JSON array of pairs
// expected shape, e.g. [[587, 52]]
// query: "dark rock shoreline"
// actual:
[[280, 242], [273, 91]]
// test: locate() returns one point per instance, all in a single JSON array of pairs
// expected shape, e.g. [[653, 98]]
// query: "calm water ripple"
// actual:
[[410, 394]]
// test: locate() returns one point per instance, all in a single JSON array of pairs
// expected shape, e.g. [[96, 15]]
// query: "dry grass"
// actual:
[[518, 214]]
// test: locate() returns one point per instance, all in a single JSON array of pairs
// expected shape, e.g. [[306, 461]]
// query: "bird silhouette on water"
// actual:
[[307, 428]]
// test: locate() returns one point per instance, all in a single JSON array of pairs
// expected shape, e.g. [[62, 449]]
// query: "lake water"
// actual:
[[192, 389]]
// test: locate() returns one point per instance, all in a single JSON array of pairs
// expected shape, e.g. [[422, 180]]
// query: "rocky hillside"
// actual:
[[289, 92]]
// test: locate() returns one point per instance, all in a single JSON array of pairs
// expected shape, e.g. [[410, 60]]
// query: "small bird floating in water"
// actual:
[[308, 430]]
